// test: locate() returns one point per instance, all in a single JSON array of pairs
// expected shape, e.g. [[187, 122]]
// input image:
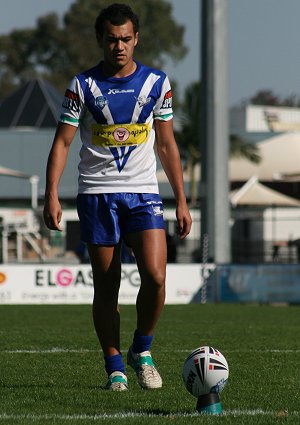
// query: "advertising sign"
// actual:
[[266, 283], [64, 284]]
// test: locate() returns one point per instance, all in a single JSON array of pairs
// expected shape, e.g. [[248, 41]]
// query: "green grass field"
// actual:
[[51, 370]]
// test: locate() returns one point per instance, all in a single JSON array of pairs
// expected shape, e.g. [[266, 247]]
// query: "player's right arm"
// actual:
[[56, 164]]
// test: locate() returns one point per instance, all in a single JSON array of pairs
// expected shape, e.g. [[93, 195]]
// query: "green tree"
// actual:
[[268, 98], [15, 59], [265, 97], [58, 50], [240, 148], [188, 137]]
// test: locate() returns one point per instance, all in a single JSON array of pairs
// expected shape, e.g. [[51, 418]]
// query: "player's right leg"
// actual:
[[99, 229], [106, 266]]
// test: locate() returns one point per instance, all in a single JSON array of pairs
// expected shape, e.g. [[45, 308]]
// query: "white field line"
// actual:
[[56, 350], [128, 415], [49, 351]]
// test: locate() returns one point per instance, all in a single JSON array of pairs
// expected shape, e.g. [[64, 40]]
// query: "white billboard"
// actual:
[[64, 284]]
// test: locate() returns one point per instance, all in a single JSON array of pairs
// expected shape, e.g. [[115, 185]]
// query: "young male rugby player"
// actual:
[[121, 107]]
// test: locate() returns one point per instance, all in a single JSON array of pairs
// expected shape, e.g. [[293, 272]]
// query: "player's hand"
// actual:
[[184, 220], [52, 213]]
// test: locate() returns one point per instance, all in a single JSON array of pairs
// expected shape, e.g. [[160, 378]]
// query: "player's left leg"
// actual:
[[150, 250], [149, 247]]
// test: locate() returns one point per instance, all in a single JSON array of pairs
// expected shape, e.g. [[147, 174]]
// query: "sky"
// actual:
[[263, 42]]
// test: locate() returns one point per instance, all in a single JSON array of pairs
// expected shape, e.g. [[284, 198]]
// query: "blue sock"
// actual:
[[141, 342], [114, 363]]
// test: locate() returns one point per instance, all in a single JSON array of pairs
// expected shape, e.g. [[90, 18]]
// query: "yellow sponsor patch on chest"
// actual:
[[120, 134]]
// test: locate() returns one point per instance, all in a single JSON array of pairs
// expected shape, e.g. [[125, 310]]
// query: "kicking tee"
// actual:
[[115, 117]]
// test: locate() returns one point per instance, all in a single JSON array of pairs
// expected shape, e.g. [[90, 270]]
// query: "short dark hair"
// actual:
[[116, 14]]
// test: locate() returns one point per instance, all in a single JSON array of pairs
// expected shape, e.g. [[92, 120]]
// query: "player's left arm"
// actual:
[[169, 156]]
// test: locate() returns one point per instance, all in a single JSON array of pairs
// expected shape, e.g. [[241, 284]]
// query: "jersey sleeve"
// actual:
[[163, 108], [73, 104]]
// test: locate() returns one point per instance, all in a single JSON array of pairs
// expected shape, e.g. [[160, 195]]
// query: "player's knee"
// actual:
[[156, 279], [107, 283], [108, 274]]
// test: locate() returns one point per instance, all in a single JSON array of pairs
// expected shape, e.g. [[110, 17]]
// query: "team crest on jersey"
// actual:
[[101, 101], [143, 100]]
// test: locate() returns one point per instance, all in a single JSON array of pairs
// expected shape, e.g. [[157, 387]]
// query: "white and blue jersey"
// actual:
[[116, 117]]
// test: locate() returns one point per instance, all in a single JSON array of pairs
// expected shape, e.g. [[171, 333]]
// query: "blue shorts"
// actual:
[[106, 218]]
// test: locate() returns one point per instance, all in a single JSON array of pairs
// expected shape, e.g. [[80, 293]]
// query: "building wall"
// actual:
[[264, 119], [28, 151]]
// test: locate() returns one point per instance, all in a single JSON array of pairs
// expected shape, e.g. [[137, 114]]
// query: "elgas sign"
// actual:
[[65, 277]]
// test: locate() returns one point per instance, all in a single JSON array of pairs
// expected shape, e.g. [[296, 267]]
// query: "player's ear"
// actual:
[[136, 38], [99, 40]]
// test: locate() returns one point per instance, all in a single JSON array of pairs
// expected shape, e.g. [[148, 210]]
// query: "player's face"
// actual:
[[118, 43]]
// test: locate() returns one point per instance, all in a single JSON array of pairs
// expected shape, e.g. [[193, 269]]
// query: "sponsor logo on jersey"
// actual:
[[119, 134], [121, 139], [71, 101], [117, 91], [101, 102], [167, 102], [143, 100]]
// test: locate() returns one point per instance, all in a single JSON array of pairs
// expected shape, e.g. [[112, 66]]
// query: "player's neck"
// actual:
[[121, 72]]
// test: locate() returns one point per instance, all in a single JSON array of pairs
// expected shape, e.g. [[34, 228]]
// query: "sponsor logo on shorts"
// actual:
[[157, 210], [154, 202]]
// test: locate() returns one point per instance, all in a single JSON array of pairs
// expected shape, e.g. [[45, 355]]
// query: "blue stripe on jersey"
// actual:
[[121, 156], [89, 98], [121, 94], [121, 106], [154, 95]]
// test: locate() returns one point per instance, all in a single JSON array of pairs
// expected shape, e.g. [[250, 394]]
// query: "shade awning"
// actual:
[[280, 160], [253, 193], [4, 171], [33, 180]]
